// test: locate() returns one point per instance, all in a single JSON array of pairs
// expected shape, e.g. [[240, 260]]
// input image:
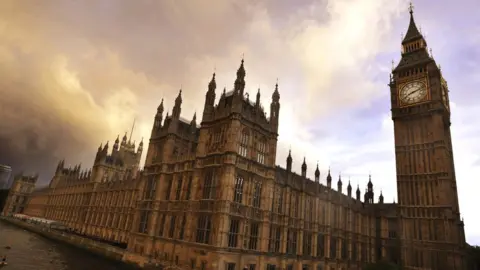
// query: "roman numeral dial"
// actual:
[[413, 92]]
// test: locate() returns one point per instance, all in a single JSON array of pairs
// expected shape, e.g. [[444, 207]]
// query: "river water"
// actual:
[[30, 251]]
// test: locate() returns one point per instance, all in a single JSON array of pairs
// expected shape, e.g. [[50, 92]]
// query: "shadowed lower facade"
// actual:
[[211, 195]]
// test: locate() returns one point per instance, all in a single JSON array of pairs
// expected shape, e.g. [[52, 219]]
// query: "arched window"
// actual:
[[261, 151], [243, 146]]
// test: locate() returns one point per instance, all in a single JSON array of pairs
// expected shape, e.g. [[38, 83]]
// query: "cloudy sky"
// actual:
[[74, 74]]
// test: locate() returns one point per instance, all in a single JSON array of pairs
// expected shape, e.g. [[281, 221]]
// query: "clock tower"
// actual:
[[432, 232]]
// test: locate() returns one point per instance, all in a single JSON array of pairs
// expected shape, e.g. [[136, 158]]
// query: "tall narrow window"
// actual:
[[233, 233], [178, 192], [344, 250], [169, 187], [189, 188], [261, 151], [243, 146], [238, 192], [280, 201], [182, 227], [320, 245], [291, 241], [307, 243], [209, 185], [161, 226], [333, 248], [252, 243], [203, 229], [257, 192], [171, 232], [150, 186], [142, 227], [230, 266]]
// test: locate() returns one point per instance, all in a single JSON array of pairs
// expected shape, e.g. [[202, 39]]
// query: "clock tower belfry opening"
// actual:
[[432, 232]]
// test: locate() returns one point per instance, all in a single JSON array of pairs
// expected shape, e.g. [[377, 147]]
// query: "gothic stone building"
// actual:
[[212, 197], [432, 231], [98, 202], [19, 194]]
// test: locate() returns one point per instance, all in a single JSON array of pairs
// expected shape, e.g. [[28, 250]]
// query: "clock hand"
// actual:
[[411, 93]]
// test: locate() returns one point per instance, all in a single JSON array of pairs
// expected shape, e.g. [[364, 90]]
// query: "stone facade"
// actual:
[[98, 202], [211, 195], [431, 226], [19, 194]]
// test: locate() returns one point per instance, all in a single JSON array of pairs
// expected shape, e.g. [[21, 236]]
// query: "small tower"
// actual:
[[380, 198], [124, 139], [349, 189], [275, 109], [140, 148], [304, 168], [317, 175], [257, 101], [157, 123], [193, 123], [239, 86], [339, 183], [370, 194], [289, 161], [358, 195], [116, 144], [209, 107], [329, 179], [178, 106]]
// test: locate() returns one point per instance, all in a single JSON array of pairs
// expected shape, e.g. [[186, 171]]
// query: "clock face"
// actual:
[[413, 92]]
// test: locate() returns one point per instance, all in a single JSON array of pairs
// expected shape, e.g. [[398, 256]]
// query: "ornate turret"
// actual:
[[329, 179], [289, 161], [412, 32], [115, 145], [349, 189], [358, 193], [339, 183], [414, 51], [193, 123], [208, 109], [370, 194], [257, 101], [157, 124], [105, 148], [239, 86], [275, 109], [140, 147], [178, 106], [380, 198], [317, 174], [124, 139], [304, 168]]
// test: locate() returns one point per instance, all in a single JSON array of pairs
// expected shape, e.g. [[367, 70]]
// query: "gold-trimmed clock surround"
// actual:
[[403, 84]]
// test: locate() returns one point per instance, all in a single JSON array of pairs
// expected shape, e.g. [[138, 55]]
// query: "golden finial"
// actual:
[[243, 56], [410, 8]]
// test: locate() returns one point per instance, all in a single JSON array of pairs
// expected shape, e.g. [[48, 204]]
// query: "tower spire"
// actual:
[[412, 32]]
